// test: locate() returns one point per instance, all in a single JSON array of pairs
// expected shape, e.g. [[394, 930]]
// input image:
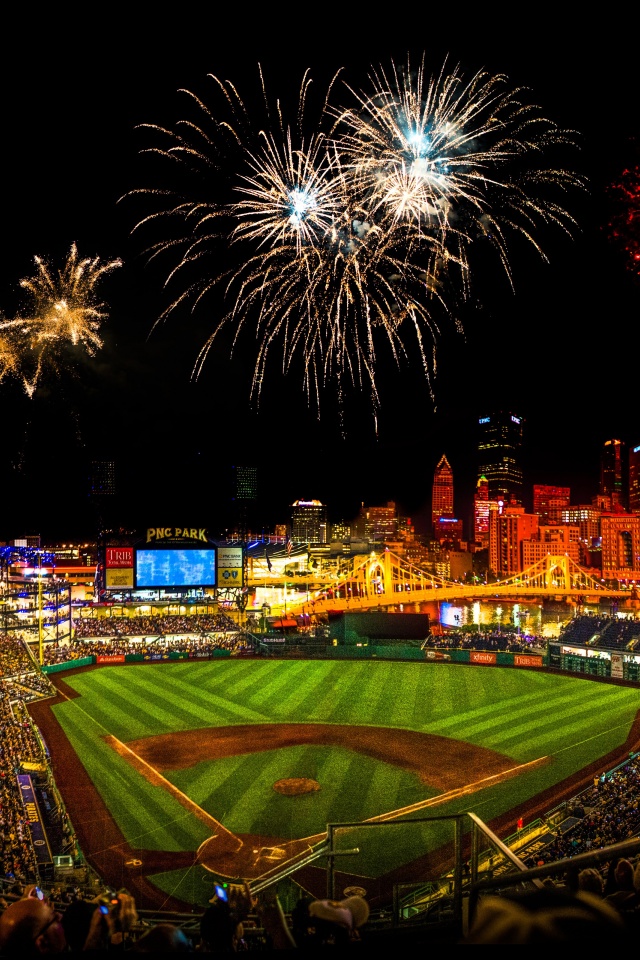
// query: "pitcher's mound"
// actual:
[[294, 786]]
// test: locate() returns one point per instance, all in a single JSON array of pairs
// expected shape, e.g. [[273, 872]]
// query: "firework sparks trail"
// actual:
[[623, 228], [354, 234], [461, 159], [65, 310]]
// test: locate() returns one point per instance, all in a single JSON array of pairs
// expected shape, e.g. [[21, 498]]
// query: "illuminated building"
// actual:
[[634, 479], [612, 473], [553, 539], [481, 512], [499, 455], [549, 501], [102, 481], [308, 522], [244, 496], [245, 485], [620, 546], [507, 530], [448, 529], [442, 492], [378, 524], [340, 531], [587, 517], [102, 492]]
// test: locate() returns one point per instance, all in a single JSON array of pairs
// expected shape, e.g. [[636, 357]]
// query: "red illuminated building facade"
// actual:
[[550, 501]]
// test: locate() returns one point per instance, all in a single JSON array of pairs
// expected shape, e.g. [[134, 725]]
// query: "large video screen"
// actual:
[[175, 568]]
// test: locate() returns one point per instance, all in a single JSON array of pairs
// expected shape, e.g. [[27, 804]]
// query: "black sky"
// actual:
[[561, 350]]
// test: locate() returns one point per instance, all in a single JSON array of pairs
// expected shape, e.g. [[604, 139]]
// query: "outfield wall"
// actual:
[[571, 662], [134, 658]]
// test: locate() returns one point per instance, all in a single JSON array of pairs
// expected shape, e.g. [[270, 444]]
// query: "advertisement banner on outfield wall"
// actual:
[[617, 665], [482, 656], [519, 661]]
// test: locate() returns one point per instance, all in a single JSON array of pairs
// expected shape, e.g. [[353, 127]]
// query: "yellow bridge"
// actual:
[[387, 580]]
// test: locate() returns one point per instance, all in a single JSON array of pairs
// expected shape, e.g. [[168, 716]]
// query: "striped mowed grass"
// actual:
[[564, 723]]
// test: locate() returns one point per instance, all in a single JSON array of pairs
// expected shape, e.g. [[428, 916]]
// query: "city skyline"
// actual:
[[554, 348]]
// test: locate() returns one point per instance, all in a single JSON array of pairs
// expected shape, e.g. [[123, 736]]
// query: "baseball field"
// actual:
[[174, 774]]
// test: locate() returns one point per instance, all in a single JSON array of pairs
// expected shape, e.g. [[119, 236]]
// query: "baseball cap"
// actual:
[[352, 912]]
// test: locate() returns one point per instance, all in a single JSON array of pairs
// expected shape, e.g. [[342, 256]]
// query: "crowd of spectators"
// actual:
[[201, 646], [200, 634], [606, 813], [496, 641], [19, 743], [154, 626]]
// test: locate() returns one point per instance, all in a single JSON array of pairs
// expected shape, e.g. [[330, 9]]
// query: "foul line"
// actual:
[[157, 780], [458, 792]]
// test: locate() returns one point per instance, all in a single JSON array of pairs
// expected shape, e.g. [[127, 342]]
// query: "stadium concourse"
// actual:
[[605, 811]]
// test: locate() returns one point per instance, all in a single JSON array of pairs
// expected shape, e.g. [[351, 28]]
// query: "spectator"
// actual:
[[329, 923], [547, 915], [623, 888], [589, 879], [221, 925], [31, 927]]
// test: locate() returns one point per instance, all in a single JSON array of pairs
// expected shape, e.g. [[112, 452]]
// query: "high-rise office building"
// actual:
[[634, 479], [500, 455], [507, 531], [481, 512], [103, 493], [244, 495], [442, 491], [102, 479], [620, 546], [308, 522], [377, 523], [549, 502], [245, 486], [612, 473]]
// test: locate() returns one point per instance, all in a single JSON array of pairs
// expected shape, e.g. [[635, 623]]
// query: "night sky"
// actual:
[[560, 350]]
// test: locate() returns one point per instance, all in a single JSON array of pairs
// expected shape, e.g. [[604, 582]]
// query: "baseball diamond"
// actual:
[[211, 787]]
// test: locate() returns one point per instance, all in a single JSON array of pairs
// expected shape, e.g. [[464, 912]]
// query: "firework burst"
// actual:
[[459, 159], [350, 236], [64, 311], [623, 228]]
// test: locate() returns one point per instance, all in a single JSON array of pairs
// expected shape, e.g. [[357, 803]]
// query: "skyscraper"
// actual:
[[309, 522], [612, 472], [499, 455], [244, 496], [102, 478], [634, 479], [442, 491], [377, 523], [481, 512], [102, 492]]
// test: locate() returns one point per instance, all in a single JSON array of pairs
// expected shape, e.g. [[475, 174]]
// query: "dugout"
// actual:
[[373, 627]]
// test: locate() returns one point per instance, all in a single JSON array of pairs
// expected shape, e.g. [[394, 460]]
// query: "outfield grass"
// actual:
[[523, 714]]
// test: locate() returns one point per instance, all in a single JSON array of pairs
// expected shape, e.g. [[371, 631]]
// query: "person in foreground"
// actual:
[[32, 926], [548, 915]]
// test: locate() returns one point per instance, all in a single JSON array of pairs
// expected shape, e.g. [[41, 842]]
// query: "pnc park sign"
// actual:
[[176, 533]]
